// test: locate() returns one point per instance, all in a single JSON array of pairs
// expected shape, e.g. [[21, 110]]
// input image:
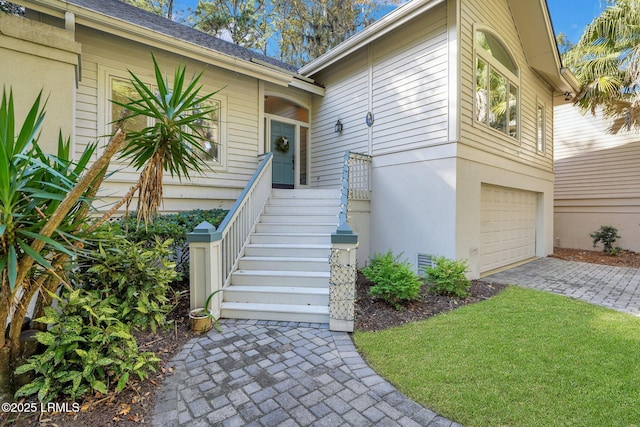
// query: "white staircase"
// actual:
[[284, 271]]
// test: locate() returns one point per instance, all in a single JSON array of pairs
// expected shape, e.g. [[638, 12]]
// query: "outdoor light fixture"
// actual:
[[567, 96], [338, 126]]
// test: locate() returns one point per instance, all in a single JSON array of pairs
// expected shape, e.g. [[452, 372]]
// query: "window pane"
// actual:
[[492, 46], [209, 131], [498, 98], [303, 155], [481, 91], [541, 144], [123, 91], [513, 110], [285, 108]]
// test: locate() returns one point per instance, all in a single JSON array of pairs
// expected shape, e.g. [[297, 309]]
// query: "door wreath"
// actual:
[[282, 144]]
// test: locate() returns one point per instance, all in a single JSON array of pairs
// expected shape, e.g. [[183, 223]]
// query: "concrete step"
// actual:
[[283, 263], [279, 312], [306, 193], [309, 218], [287, 250], [332, 210], [324, 228], [277, 295], [311, 279], [304, 202], [291, 238]]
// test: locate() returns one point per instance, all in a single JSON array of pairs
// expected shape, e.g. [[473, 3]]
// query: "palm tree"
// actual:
[[606, 61], [45, 200]]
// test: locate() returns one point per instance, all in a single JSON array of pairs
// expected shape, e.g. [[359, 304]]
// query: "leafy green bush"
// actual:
[[607, 234], [87, 349], [137, 277], [171, 226], [393, 280], [447, 277]]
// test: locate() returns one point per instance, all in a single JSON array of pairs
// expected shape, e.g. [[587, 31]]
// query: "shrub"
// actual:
[[87, 349], [393, 280], [447, 277], [171, 226], [607, 234], [138, 278]]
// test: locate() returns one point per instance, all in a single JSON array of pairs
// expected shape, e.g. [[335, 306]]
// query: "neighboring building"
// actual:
[[453, 99], [597, 180]]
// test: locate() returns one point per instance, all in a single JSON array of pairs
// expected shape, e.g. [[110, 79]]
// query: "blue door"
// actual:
[[283, 137]]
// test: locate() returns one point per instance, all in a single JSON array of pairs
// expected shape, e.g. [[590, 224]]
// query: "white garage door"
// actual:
[[508, 220]]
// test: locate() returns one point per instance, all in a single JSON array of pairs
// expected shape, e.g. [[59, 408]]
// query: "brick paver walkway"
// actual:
[[258, 373]]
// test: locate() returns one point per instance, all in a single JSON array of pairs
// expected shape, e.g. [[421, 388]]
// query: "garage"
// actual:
[[508, 219]]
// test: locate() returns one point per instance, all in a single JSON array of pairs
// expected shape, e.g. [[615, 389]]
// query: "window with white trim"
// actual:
[[497, 93], [119, 88], [541, 143], [209, 130]]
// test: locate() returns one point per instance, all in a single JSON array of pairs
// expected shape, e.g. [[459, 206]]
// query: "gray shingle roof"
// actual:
[[142, 18]]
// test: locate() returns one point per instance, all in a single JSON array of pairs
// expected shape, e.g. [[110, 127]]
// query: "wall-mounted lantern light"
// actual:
[[338, 126]]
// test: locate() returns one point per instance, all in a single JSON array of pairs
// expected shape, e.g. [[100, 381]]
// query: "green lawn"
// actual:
[[522, 358]]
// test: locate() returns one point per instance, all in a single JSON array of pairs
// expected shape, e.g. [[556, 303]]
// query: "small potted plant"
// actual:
[[202, 319]]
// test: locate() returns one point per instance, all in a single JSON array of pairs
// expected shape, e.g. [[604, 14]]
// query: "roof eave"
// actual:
[[118, 27], [540, 48]]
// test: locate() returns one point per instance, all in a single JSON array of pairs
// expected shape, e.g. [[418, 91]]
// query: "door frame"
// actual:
[[296, 154]]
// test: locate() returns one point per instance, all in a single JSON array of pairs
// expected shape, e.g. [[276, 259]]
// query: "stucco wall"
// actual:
[[38, 57]]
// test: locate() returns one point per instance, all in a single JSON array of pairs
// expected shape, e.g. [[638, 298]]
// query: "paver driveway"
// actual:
[[608, 286]]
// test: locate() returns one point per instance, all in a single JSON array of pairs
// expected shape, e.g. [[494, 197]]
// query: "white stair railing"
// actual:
[[359, 170], [214, 253], [240, 221]]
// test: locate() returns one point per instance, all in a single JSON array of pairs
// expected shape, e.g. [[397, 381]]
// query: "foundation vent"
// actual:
[[424, 261]]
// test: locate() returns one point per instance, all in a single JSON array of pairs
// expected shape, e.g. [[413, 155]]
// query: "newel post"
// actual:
[[342, 283], [205, 261]]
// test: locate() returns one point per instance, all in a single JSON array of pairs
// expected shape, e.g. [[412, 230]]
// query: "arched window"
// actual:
[[496, 103]]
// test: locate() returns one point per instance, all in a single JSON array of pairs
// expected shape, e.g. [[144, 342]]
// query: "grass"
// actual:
[[522, 358]]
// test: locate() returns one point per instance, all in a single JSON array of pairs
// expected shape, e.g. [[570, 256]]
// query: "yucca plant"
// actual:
[[45, 200]]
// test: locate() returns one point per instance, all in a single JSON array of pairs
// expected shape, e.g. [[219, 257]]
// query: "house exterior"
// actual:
[[451, 175], [451, 100], [79, 52], [597, 180]]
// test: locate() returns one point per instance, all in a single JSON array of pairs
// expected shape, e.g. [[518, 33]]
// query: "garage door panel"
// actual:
[[508, 221]]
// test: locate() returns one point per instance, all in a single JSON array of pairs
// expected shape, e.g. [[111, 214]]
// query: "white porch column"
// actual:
[[205, 260]]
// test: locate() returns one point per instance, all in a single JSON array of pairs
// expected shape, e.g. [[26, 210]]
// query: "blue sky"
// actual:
[[571, 16], [568, 16]]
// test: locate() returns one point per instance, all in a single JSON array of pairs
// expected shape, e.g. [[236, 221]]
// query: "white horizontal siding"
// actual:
[[345, 99], [408, 71], [497, 16], [410, 78]]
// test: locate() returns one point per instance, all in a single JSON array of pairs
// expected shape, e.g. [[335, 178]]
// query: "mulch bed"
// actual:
[[373, 314], [623, 258]]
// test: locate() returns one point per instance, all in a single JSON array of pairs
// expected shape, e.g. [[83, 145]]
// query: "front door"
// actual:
[[283, 137]]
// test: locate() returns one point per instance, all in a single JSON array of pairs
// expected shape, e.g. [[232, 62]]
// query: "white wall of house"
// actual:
[[488, 157], [47, 57], [597, 180], [402, 80], [241, 99], [430, 158]]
